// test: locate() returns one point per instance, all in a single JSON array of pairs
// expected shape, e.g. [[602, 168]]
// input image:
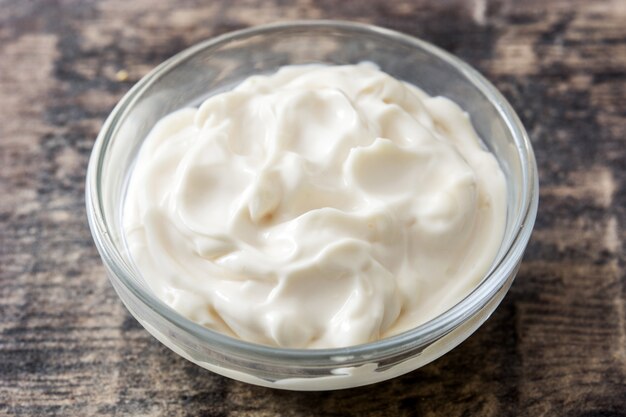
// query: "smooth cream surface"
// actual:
[[321, 206]]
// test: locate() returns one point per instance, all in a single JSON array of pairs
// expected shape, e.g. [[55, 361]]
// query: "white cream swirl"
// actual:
[[321, 206]]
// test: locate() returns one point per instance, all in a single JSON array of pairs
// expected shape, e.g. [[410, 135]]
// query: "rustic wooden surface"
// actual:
[[557, 344]]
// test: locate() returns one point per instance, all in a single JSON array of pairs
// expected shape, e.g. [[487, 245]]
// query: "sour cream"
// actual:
[[318, 207]]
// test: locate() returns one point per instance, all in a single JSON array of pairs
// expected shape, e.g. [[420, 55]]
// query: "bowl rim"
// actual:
[[419, 336]]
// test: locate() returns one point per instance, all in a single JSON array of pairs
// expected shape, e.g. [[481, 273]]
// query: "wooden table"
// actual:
[[556, 345]]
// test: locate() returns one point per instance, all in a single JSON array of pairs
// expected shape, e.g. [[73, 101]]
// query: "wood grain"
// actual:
[[557, 344]]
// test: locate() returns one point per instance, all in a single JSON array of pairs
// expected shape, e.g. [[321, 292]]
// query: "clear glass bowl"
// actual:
[[218, 64]]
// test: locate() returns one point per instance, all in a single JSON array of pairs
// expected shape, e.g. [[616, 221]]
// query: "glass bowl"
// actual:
[[216, 65]]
